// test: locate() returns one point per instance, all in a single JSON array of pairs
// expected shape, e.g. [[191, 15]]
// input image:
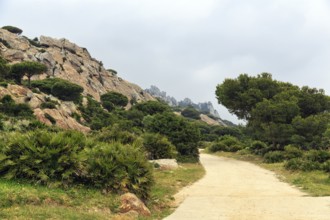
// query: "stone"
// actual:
[[165, 164], [130, 202]]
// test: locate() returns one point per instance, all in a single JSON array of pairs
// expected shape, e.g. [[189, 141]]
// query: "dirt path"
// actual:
[[237, 190]]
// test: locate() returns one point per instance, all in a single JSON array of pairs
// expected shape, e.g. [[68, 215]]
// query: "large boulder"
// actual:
[[130, 202]]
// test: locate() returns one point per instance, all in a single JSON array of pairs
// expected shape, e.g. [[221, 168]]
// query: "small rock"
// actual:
[[166, 164], [130, 202]]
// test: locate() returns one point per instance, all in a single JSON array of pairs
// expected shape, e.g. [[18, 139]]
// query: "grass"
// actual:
[[168, 183], [21, 200], [314, 183]]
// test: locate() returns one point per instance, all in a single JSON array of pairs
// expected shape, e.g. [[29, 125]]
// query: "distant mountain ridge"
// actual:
[[204, 107]]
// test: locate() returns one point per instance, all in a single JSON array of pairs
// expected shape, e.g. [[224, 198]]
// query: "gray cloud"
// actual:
[[187, 47]]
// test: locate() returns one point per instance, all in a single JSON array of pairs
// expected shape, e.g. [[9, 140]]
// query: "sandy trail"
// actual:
[[237, 190]]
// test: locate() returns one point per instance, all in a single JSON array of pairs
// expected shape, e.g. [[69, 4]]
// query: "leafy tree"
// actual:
[[27, 68], [13, 29], [111, 100], [158, 146], [183, 134], [191, 112], [67, 91], [152, 107]]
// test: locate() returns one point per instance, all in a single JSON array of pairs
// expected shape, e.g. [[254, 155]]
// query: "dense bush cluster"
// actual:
[[60, 88], [226, 143], [68, 157], [111, 100]]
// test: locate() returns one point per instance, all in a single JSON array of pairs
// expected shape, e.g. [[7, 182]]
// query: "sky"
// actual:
[[188, 47]]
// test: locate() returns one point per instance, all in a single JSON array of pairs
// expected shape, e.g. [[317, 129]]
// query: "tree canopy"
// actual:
[[26, 68]]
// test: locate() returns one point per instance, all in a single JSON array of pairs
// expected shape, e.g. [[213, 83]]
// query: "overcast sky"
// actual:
[[187, 47]]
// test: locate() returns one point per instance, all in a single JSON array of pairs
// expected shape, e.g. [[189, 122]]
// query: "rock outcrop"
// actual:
[[130, 202], [68, 61]]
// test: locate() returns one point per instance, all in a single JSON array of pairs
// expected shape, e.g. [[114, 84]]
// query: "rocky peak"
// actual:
[[68, 61]]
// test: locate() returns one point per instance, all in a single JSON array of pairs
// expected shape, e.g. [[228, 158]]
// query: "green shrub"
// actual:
[[4, 84], [13, 29], [217, 146], [111, 100], [4, 42], [152, 107], [60, 88], [191, 112], [42, 156], [232, 143], [119, 168], [115, 134], [258, 147], [301, 164], [274, 157], [50, 105], [292, 151], [320, 156], [158, 146], [50, 118], [10, 108], [67, 91], [326, 166]]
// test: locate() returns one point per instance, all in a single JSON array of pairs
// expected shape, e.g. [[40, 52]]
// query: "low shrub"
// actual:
[[119, 168], [217, 146], [232, 143], [13, 29], [42, 156], [258, 147], [158, 146], [115, 134], [50, 105], [10, 108], [111, 100], [320, 156], [301, 164], [274, 157], [292, 151]]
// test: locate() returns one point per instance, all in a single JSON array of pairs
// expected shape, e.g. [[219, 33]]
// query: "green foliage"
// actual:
[[183, 134], [258, 147], [50, 118], [49, 105], [191, 112], [60, 88], [4, 42], [115, 134], [67, 91], [274, 157], [292, 151], [111, 100], [217, 146], [26, 68], [232, 143], [42, 156], [158, 146], [10, 108], [301, 164], [4, 69], [13, 29], [119, 168], [152, 107], [320, 156]]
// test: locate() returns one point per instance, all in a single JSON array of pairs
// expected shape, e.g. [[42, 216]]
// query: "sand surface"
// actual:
[[237, 190]]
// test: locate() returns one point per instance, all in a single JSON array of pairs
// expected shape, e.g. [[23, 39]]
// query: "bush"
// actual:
[[191, 112], [67, 91], [232, 144], [115, 134], [60, 88], [301, 164], [158, 146], [42, 156], [10, 108], [320, 156], [258, 147], [274, 157], [13, 29], [119, 168], [292, 151], [50, 105], [50, 118], [152, 107], [111, 100], [217, 146]]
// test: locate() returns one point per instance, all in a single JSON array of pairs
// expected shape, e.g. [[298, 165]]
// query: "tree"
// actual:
[[152, 107], [27, 68], [13, 29], [4, 68], [111, 100], [191, 112], [182, 133]]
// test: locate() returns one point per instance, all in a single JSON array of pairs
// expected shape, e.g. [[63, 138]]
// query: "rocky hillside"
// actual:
[[68, 61], [64, 60], [210, 115]]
